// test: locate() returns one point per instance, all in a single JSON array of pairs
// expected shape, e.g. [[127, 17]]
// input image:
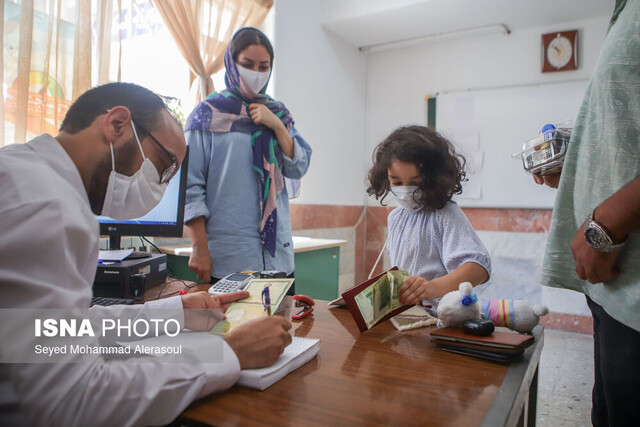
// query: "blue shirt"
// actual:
[[222, 187]]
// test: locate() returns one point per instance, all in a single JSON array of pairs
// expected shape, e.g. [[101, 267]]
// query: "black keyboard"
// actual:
[[111, 301]]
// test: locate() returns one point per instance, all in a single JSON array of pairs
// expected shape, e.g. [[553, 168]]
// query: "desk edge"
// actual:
[[511, 397]]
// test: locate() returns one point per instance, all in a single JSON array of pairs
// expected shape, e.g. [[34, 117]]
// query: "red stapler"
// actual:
[[303, 301]]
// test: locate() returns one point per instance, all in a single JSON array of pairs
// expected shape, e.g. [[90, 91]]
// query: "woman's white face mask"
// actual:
[[129, 197], [407, 196], [254, 80]]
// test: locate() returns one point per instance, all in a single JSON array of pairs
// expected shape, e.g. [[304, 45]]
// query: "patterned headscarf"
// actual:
[[228, 111]]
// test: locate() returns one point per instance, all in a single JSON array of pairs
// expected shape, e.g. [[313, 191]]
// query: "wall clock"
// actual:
[[560, 51]]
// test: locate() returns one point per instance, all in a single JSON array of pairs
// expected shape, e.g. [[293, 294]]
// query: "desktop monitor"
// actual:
[[165, 220]]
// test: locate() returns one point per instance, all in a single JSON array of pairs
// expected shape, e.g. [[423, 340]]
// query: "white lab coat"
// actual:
[[48, 257]]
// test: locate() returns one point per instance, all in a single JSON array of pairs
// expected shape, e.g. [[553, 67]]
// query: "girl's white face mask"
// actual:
[[407, 196], [129, 197], [254, 80]]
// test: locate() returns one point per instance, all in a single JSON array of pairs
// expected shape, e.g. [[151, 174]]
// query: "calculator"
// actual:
[[230, 283]]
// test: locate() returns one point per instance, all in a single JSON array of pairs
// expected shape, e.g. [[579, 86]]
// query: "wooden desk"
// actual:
[[381, 377]]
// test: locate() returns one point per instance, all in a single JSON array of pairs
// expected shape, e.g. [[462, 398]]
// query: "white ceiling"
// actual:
[[371, 22]]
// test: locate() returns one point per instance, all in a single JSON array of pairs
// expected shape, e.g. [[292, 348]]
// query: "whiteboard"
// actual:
[[489, 125]]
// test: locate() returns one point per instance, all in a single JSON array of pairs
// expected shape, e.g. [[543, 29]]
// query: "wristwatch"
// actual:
[[598, 238]]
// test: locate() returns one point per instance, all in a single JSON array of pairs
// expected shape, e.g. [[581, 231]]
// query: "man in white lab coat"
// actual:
[[117, 148]]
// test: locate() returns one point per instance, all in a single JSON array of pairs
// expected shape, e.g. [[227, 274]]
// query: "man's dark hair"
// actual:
[[441, 168], [247, 36], [144, 105]]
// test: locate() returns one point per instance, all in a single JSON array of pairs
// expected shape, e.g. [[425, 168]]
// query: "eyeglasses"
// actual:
[[170, 170]]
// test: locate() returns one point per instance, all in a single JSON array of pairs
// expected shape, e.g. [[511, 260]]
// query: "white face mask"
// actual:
[[254, 80], [407, 196], [129, 197]]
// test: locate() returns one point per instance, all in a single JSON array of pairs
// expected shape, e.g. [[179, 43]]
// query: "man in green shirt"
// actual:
[[594, 241]]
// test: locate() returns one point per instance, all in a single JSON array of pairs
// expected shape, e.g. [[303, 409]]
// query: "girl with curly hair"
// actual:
[[429, 235]]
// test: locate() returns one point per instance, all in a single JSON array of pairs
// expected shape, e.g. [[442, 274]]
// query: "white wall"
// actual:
[[345, 102], [321, 79], [399, 80]]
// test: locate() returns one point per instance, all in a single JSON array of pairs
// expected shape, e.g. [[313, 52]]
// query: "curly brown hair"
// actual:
[[441, 168]]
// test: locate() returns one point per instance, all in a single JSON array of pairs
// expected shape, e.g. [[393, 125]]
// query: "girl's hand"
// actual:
[[261, 115], [414, 290], [200, 263]]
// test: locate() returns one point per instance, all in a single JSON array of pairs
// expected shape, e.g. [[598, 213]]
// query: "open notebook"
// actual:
[[296, 354]]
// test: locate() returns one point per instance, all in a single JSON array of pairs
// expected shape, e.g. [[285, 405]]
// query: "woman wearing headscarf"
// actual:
[[242, 146]]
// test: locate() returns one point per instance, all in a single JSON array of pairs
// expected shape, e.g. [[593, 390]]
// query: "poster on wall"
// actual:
[[465, 136]]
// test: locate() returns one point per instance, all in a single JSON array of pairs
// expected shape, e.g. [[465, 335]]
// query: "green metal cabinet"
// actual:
[[178, 266], [317, 273]]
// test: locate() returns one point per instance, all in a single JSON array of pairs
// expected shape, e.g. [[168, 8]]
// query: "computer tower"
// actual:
[[130, 278]]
